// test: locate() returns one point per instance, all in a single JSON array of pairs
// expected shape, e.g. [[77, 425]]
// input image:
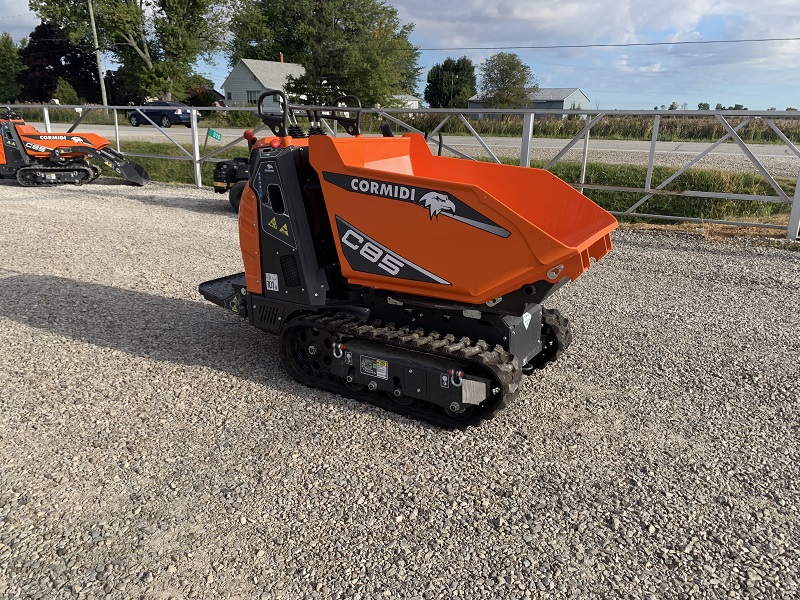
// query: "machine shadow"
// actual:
[[144, 325]]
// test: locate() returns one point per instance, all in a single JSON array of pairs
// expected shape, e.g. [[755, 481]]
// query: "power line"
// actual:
[[15, 16], [630, 45]]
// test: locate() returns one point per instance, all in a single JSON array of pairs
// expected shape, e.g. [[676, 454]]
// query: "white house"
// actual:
[[546, 98], [407, 101], [250, 77]]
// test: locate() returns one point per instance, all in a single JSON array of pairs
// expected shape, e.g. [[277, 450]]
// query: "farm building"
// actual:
[[545, 98], [250, 77]]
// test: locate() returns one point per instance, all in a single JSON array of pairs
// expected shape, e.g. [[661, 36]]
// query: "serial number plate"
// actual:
[[375, 367]]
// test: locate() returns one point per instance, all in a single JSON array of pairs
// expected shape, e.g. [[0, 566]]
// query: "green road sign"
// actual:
[[215, 134]]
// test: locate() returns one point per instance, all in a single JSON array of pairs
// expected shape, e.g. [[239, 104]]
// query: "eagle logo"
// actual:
[[436, 203], [78, 140]]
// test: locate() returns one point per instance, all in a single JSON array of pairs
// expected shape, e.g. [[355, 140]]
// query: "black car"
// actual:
[[165, 113]]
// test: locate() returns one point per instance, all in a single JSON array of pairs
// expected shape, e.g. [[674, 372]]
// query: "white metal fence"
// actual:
[[590, 119]]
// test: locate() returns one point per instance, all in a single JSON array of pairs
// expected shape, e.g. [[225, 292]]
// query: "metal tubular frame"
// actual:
[[593, 117]]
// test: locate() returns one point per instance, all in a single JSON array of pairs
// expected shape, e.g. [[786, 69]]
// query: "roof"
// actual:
[[544, 94], [407, 98], [551, 94], [270, 74]]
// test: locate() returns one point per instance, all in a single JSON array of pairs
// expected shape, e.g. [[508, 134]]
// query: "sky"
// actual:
[[759, 75]]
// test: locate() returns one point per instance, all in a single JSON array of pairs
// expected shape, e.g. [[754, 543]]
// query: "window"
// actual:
[[230, 95], [252, 96]]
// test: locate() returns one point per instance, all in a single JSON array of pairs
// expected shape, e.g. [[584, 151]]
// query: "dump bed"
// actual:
[[468, 231]]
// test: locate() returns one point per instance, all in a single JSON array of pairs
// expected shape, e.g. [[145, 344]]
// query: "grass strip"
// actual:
[[700, 180]]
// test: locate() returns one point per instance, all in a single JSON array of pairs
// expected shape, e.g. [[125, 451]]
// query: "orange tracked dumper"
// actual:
[[36, 158], [396, 277]]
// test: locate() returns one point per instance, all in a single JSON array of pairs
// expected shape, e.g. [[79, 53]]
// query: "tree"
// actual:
[[158, 40], [719, 106], [734, 107], [123, 86], [198, 91], [703, 106], [65, 93], [451, 84], [10, 67], [48, 56], [673, 105], [354, 47], [506, 82]]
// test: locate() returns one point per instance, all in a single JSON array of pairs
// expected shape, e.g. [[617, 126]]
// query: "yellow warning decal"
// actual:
[[284, 230], [273, 223]]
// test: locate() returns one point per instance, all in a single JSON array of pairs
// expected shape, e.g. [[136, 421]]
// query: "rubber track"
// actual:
[[93, 174], [556, 336], [501, 366]]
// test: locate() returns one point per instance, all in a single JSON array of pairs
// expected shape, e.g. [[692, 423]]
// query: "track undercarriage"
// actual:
[[432, 376], [75, 172]]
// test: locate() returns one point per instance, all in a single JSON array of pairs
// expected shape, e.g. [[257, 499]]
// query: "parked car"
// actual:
[[164, 113]]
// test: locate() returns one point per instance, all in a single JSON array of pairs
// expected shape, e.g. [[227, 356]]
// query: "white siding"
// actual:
[[245, 87], [580, 100], [239, 82]]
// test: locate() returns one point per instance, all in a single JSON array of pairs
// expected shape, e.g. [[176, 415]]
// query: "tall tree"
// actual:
[[506, 82], [158, 40], [49, 56], [10, 67], [451, 84], [346, 46]]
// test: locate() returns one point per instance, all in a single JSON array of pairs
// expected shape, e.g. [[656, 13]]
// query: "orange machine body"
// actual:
[[40, 145], [472, 231], [481, 230]]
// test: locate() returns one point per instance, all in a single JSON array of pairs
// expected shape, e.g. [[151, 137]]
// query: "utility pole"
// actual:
[[97, 55]]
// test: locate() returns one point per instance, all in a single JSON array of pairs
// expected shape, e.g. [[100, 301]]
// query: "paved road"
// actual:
[[183, 135]]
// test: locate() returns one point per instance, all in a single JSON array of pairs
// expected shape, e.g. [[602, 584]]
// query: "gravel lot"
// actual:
[[152, 446]]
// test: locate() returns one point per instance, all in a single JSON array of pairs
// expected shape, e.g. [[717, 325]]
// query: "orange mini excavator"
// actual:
[[36, 158], [411, 281]]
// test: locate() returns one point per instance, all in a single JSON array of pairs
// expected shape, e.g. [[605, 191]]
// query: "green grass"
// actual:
[[174, 171], [701, 180]]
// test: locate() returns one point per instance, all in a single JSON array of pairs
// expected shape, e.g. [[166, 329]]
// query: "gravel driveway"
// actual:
[[152, 446]]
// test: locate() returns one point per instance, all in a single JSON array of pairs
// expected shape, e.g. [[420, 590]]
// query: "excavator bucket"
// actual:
[[466, 231], [134, 173], [129, 170]]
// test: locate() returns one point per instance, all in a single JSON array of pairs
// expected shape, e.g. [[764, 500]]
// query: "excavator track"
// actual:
[[326, 328], [36, 175], [556, 337]]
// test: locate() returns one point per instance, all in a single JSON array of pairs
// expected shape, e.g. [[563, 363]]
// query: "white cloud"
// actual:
[[16, 19], [657, 74]]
